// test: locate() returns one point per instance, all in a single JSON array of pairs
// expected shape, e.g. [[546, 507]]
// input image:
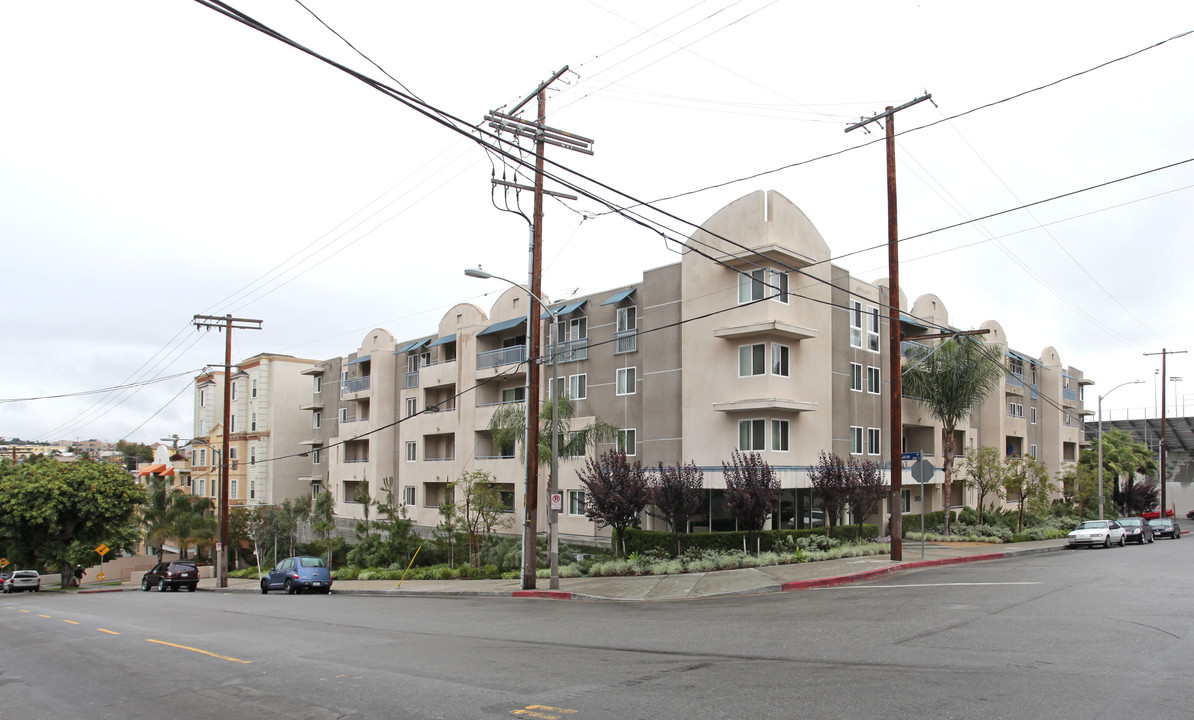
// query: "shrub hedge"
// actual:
[[646, 541]]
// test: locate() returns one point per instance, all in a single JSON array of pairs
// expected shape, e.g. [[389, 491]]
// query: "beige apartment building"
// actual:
[[755, 341]]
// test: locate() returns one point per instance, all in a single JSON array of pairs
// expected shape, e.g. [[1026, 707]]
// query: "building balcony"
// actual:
[[625, 341], [317, 405], [768, 328], [765, 404], [570, 351], [355, 385], [501, 356]]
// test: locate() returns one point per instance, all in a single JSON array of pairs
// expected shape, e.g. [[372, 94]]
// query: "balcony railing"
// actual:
[[626, 341], [501, 356], [352, 385], [1069, 394], [354, 418], [570, 351], [908, 345], [1014, 380], [439, 459], [356, 460]]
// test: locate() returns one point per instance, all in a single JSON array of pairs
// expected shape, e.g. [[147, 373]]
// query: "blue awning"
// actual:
[[503, 325], [443, 341], [414, 346], [1013, 353], [909, 320], [564, 309], [618, 296], [361, 359]]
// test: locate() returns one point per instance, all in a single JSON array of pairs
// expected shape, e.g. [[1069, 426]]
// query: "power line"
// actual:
[[114, 388]]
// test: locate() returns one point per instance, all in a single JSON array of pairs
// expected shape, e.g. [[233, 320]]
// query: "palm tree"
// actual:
[[157, 515], [951, 380], [1123, 457], [509, 425], [194, 522]]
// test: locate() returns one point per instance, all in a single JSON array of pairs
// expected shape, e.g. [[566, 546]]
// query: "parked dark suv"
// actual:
[[171, 575]]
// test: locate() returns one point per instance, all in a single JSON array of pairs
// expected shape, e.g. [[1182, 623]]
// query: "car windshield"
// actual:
[[1131, 522], [1094, 525], [312, 562], [1159, 521]]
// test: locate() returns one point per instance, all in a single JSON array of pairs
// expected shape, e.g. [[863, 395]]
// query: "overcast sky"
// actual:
[[161, 160]]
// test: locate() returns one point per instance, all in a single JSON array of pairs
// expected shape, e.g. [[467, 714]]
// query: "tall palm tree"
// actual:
[[1123, 457], [157, 515], [951, 379]]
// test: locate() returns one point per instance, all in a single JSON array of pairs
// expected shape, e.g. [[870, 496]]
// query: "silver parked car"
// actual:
[[1097, 532], [23, 580]]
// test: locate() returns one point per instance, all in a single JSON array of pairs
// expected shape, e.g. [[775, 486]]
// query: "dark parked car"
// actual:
[[171, 575], [298, 574], [1164, 527], [23, 580], [1137, 529]]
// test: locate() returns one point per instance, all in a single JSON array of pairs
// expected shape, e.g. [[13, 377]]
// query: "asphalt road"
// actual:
[[1077, 634]]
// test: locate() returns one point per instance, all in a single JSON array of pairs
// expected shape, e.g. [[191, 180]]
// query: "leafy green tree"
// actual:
[[752, 491], [1026, 479], [157, 515], [56, 513], [323, 523], [509, 425], [983, 470], [394, 541], [477, 510], [134, 453], [362, 497], [677, 491], [951, 379], [193, 522]]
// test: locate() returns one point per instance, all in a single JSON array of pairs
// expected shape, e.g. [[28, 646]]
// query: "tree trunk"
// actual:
[[947, 467]]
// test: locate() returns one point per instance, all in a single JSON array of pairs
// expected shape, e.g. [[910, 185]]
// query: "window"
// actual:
[[202, 398], [408, 495], [578, 386], [906, 501], [232, 488], [626, 331], [253, 422], [855, 324], [253, 388], [231, 423], [856, 377], [627, 441], [315, 416], [412, 407], [1016, 366], [202, 457], [252, 489], [214, 488], [855, 440], [516, 394], [315, 456], [232, 453], [317, 385], [1032, 450], [576, 328], [626, 381], [1032, 414], [872, 331], [752, 360], [343, 414], [233, 386], [1015, 409], [576, 502], [412, 451], [779, 359], [872, 380], [202, 486], [874, 442], [253, 455], [751, 435], [762, 283], [779, 435]]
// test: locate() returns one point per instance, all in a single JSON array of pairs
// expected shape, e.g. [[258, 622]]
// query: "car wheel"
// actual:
[[1107, 540], [264, 586], [1150, 539], [289, 587], [190, 588], [145, 584], [327, 591], [1121, 541], [162, 586]]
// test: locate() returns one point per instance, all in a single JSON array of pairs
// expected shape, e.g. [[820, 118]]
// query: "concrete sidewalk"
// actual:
[[780, 578]]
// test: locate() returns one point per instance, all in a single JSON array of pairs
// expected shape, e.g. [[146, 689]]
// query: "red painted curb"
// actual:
[[880, 572], [546, 594]]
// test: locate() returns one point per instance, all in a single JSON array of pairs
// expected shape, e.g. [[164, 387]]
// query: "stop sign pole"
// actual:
[[922, 472]]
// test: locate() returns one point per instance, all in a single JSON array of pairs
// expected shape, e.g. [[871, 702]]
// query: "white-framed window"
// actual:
[[316, 416], [214, 488], [514, 394], [252, 454], [232, 453], [576, 503], [578, 386], [780, 357], [343, 414], [202, 427], [316, 384], [231, 423], [627, 379], [233, 385], [315, 456], [752, 360], [1032, 450], [412, 451], [252, 489], [856, 440], [253, 422], [1016, 366], [202, 457], [408, 495], [253, 388], [626, 330], [874, 441], [873, 380], [202, 486], [627, 441], [232, 488], [412, 406], [1032, 414], [202, 398], [779, 436], [855, 324], [762, 283], [1015, 409], [576, 328], [872, 329], [752, 434], [856, 377]]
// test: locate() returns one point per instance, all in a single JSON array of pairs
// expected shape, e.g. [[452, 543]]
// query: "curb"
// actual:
[[893, 569]]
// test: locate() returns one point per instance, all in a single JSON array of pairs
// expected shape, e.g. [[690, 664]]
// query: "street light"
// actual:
[[553, 515], [1175, 380], [1130, 382]]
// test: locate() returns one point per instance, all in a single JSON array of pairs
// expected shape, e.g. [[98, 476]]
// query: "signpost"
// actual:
[[102, 550], [922, 472]]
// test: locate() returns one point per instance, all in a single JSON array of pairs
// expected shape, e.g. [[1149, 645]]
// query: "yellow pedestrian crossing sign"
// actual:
[[103, 549], [3, 562], [100, 577]]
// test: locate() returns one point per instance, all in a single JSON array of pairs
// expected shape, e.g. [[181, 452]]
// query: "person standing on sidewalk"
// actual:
[[79, 573]]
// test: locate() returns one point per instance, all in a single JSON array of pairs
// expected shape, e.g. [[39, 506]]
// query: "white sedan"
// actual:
[[1097, 532]]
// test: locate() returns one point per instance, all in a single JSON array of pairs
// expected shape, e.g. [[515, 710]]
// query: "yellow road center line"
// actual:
[[24, 611], [110, 632], [72, 622], [202, 652], [45, 616]]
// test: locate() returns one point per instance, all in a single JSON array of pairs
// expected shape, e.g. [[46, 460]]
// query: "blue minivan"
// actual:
[[298, 574]]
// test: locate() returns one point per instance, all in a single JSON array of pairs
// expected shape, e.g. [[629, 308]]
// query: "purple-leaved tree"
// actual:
[[616, 492], [752, 491], [829, 479], [865, 490], [677, 492]]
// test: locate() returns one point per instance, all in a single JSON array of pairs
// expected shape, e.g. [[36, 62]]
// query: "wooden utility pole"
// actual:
[[1161, 451], [895, 497], [226, 323]]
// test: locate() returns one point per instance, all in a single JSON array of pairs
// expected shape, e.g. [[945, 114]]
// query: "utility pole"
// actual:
[[895, 497], [1161, 449], [542, 135], [226, 323]]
